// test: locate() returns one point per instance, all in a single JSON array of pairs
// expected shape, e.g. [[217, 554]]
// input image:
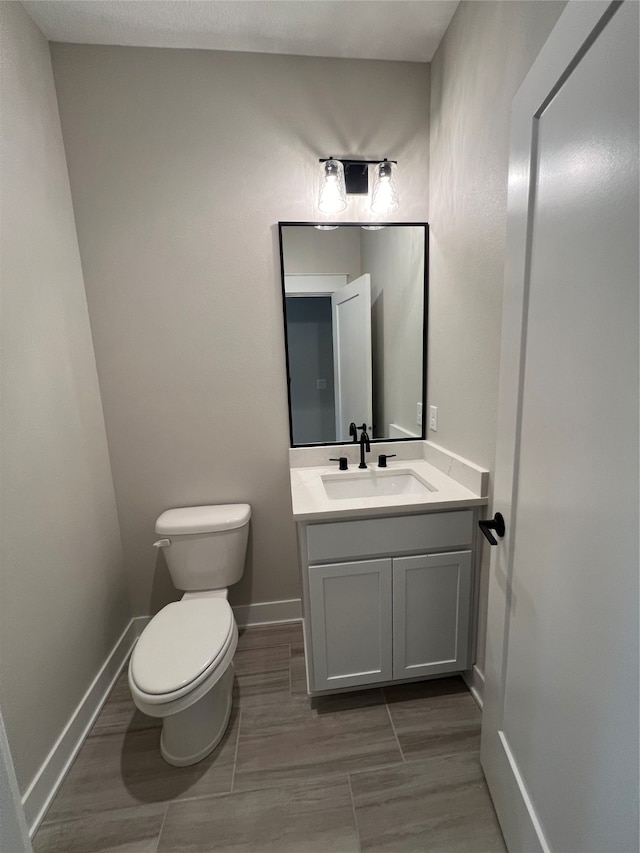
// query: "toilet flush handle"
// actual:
[[162, 543]]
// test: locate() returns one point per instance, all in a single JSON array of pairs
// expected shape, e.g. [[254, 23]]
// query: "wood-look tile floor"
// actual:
[[390, 770]]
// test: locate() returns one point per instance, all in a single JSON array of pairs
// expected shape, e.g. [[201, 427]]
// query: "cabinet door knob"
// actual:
[[496, 523]]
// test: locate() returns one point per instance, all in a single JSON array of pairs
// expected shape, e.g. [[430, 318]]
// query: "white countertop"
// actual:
[[311, 503]]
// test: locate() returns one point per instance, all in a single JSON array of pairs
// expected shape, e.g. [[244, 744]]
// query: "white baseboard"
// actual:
[[474, 679], [266, 612], [45, 784], [261, 613], [140, 623]]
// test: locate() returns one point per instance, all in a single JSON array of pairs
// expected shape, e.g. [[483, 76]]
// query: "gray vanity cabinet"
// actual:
[[351, 619], [431, 609], [394, 614]]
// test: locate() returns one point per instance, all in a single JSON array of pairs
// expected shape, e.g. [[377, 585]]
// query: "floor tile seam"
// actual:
[[260, 648], [268, 645], [99, 811], [256, 701], [262, 672], [326, 776], [279, 785], [413, 764], [416, 758], [210, 795], [164, 820], [259, 667], [353, 809], [235, 754], [393, 728], [419, 752], [121, 733], [118, 733], [316, 732], [255, 672], [396, 765], [434, 705], [280, 645]]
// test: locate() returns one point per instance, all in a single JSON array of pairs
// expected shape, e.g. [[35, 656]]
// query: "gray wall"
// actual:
[[63, 596], [484, 56], [309, 251], [181, 164]]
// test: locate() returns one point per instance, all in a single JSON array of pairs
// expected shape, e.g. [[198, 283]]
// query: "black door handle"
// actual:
[[496, 523]]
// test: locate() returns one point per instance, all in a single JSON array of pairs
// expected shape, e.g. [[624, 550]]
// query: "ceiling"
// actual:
[[408, 30]]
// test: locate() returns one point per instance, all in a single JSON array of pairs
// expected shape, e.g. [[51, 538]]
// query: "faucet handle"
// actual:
[[343, 462], [353, 432], [382, 459]]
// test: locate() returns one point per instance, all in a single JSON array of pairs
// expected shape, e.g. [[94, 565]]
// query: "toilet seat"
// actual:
[[182, 647]]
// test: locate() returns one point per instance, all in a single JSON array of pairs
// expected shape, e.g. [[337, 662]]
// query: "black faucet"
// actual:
[[364, 445], [353, 432]]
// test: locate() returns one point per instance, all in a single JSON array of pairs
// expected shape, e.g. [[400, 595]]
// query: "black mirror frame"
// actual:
[[425, 226]]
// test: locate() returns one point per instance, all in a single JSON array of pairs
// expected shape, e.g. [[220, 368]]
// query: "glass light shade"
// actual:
[[384, 198], [333, 195]]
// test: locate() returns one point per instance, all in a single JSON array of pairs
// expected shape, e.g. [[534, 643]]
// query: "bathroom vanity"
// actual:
[[388, 552], [388, 564]]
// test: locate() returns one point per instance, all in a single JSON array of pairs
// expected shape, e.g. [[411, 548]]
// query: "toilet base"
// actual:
[[190, 735]]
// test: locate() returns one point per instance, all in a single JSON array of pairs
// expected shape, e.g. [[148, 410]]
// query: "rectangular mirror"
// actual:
[[355, 302]]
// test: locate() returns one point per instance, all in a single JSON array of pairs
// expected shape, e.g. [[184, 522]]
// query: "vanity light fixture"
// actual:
[[372, 227], [351, 177], [326, 227]]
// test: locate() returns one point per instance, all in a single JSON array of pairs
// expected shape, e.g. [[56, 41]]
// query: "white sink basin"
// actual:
[[374, 484]]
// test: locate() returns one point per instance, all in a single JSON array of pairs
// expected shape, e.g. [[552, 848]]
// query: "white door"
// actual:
[[560, 723], [351, 312]]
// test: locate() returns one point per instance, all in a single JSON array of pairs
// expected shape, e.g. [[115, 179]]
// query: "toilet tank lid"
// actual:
[[203, 519]]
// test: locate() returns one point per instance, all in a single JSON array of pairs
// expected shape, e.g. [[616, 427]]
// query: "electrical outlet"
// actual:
[[433, 418], [321, 384], [419, 414]]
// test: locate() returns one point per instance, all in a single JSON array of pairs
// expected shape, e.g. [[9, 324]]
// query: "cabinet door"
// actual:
[[431, 608], [351, 623]]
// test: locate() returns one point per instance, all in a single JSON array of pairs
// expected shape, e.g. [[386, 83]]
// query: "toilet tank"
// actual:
[[205, 546]]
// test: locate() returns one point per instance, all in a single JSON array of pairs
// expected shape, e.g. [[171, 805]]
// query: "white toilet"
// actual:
[[181, 668]]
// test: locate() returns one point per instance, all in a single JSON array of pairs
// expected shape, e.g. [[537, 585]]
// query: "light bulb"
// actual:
[[333, 196], [384, 198]]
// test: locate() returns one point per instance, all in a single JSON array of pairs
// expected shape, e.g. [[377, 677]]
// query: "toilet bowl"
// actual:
[[181, 668]]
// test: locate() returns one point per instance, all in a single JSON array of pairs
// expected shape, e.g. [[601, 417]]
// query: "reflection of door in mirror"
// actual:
[[351, 326], [329, 341]]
